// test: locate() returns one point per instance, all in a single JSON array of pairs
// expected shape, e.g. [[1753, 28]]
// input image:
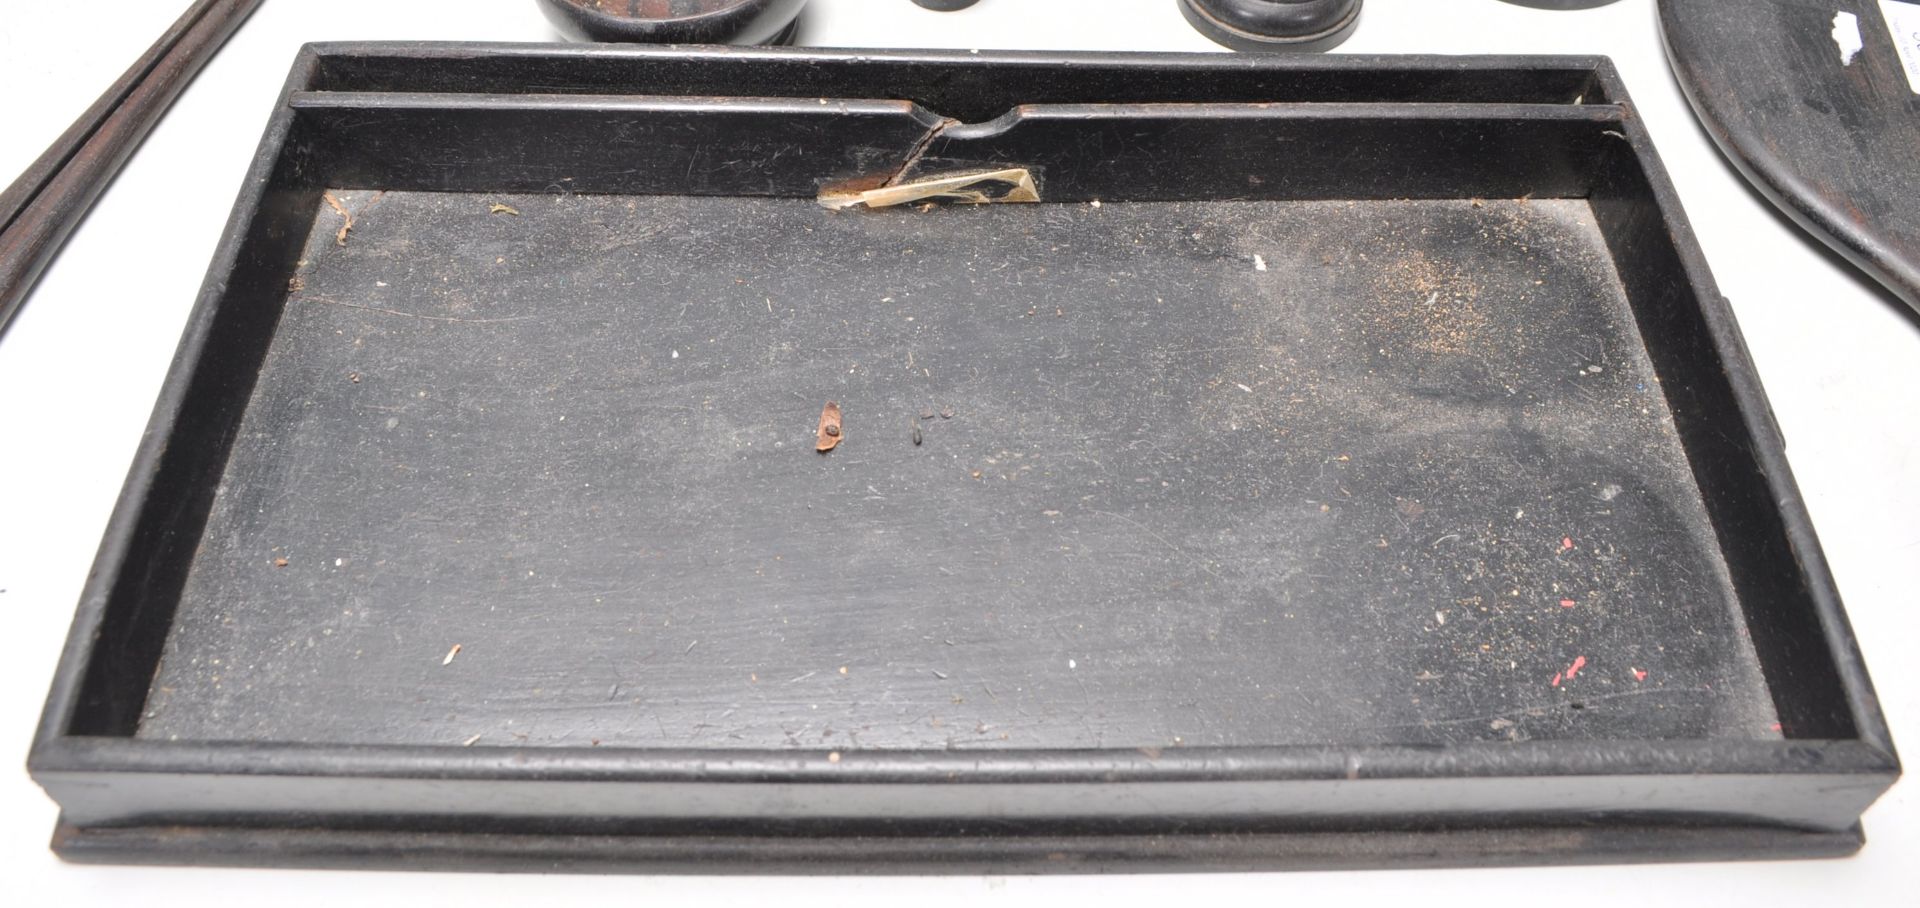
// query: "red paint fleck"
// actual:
[[1566, 543], [1566, 603], [1579, 662], [1775, 726], [1639, 675], [1556, 679]]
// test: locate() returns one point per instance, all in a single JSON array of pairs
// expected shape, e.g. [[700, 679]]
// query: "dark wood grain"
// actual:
[[41, 208], [1828, 138], [63, 149]]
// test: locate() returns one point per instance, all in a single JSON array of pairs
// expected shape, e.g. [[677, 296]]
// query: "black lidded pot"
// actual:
[[676, 21]]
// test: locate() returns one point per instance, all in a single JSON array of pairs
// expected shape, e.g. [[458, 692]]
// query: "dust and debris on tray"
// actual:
[[280, 562], [497, 208], [455, 651], [1430, 512], [829, 434], [1570, 672], [471, 741], [346, 218], [916, 436]]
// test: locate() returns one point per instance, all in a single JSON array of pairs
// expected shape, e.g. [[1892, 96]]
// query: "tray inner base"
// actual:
[[1216, 473]]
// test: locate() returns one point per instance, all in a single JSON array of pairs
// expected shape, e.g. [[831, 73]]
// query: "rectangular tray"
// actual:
[[1347, 462]]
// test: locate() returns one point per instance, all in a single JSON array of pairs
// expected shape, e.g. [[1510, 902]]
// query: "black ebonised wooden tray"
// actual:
[[1342, 462]]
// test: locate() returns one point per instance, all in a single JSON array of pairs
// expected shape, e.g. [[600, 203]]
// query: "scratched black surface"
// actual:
[[1828, 134], [1217, 473]]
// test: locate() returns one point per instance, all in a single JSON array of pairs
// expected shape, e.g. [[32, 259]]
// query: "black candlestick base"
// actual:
[[1274, 25], [1562, 4]]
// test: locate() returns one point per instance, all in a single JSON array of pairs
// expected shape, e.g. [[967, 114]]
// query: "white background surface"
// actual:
[[82, 363]]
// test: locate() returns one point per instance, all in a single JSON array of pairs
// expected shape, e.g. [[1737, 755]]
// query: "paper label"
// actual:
[[1846, 36], [1903, 19]]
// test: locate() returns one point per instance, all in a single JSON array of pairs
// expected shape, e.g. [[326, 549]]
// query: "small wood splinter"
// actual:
[[829, 436]]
